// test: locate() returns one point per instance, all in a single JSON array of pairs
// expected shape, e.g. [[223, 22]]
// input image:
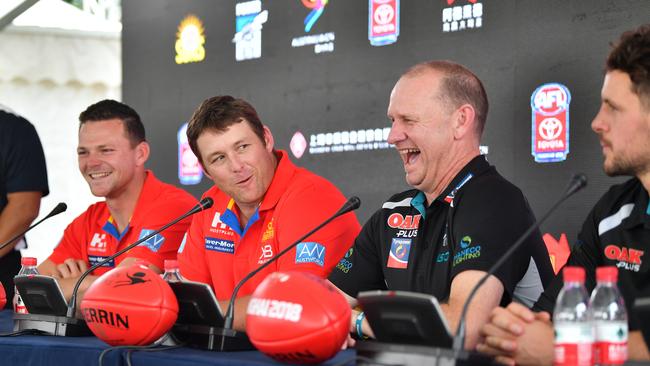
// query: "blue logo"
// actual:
[[442, 257], [465, 242], [95, 259], [154, 243], [310, 252], [220, 245]]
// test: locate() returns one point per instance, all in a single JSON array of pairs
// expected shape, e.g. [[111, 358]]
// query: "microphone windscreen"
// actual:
[[297, 317]]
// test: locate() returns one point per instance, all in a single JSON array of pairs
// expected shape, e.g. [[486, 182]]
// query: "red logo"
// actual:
[[397, 221], [627, 258]]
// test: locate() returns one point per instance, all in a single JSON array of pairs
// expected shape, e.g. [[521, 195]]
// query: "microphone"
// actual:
[[578, 181], [202, 205], [351, 204], [61, 207]]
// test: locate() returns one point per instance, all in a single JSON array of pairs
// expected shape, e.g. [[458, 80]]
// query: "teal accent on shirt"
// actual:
[[418, 202]]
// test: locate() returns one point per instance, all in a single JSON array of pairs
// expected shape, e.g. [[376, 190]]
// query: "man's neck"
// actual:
[[454, 168], [645, 181], [123, 205]]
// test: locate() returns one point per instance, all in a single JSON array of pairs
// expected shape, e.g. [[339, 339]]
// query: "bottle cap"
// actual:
[[607, 274], [171, 264], [574, 274], [28, 261]]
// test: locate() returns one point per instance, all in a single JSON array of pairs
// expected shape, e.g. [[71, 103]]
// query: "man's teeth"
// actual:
[[98, 175]]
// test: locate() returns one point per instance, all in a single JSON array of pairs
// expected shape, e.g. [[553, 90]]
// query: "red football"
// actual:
[[297, 317], [3, 296], [129, 305]]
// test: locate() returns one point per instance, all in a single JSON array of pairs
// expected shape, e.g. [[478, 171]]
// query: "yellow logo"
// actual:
[[189, 40], [269, 233]]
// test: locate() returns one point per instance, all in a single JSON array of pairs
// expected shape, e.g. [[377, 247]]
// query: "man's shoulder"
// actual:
[[619, 195], [11, 122], [171, 194]]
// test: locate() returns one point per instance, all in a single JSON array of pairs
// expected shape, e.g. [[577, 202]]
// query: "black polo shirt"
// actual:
[[615, 233], [408, 246], [22, 169]]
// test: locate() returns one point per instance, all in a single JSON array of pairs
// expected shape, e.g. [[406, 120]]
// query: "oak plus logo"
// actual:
[[628, 258]]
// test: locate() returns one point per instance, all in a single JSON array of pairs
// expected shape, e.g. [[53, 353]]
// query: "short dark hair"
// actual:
[[218, 113], [632, 56], [459, 86], [111, 109]]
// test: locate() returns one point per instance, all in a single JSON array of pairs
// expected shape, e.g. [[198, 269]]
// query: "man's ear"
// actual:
[[464, 121], [268, 139], [142, 153]]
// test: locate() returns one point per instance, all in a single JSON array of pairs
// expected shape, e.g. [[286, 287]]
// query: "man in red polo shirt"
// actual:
[[262, 204], [112, 151]]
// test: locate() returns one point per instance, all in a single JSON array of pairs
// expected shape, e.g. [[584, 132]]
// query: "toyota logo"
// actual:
[[384, 14], [550, 128]]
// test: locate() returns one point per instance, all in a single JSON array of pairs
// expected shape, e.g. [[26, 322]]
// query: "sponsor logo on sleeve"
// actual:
[[154, 243], [310, 252], [220, 245], [345, 264], [467, 251], [399, 253]]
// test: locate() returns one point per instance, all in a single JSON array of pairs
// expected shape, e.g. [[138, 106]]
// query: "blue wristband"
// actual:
[[358, 324]]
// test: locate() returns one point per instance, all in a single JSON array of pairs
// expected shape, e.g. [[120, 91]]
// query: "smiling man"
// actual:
[[262, 204], [112, 152], [442, 236]]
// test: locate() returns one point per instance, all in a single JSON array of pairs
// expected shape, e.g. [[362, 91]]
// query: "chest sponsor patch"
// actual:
[[626, 258], [154, 243], [98, 244], [310, 252], [94, 259], [399, 253], [220, 245]]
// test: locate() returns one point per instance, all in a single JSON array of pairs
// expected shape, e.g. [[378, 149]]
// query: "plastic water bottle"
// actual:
[[172, 274], [28, 268], [574, 335], [610, 319]]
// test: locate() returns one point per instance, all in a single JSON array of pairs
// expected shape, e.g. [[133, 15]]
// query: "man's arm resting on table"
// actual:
[[486, 299], [21, 209]]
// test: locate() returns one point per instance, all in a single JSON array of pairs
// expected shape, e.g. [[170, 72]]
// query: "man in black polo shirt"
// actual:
[[442, 236], [23, 181], [617, 230]]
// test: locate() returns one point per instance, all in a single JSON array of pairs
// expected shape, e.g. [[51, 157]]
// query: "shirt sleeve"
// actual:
[[489, 217], [361, 269], [191, 253], [585, 253], [24, 163], [303, 210], [165, 244], [74, 238]]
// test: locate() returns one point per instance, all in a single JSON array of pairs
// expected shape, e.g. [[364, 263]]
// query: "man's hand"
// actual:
[[71, 268], [517, 335]]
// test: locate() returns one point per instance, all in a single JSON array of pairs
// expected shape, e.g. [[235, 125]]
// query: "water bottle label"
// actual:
[[573, 344], [611, 331], [609, 353], [20, 307]]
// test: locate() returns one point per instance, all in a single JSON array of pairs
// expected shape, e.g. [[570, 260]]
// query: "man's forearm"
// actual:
[[21, 209]]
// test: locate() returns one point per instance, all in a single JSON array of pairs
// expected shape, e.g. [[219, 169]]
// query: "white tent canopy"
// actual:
[[55, 60]]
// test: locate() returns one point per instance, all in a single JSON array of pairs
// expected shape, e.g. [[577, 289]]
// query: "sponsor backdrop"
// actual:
[[320, 73]]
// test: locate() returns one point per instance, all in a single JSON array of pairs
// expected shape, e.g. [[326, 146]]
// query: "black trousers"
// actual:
[[9, 267]]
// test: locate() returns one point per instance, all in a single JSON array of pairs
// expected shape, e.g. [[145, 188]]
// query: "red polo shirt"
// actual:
[[218, 251], [92, 236]]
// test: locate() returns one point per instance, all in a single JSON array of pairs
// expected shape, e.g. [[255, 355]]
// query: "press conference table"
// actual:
[[84, 351]]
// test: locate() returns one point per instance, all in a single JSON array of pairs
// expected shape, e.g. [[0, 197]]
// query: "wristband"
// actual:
[[358, 323]]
